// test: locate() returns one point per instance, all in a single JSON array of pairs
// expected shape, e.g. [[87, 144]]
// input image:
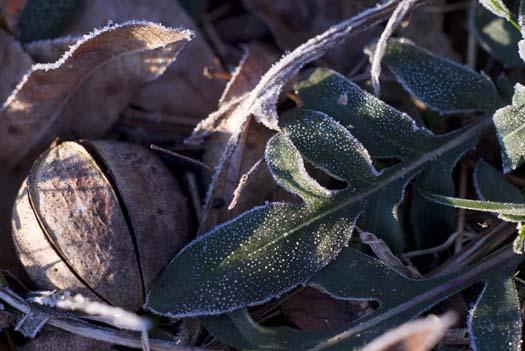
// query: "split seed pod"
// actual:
[[101, 218]]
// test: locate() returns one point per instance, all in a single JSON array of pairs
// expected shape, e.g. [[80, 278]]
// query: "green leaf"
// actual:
[[507, 209], [510, 128], [354, 275], [431, 223], [495, 320], [497, 36], [443, 85], [276, 247], [499, 8], [492, 185]]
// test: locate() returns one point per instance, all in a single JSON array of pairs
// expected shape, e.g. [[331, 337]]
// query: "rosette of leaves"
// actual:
[[274, 248]]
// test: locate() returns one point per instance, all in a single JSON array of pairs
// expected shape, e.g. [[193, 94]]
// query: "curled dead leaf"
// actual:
[[256, 61], [198, 94], [419, 335], [82, 93]]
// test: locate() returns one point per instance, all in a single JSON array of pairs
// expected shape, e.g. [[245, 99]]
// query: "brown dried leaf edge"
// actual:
[[39, 109]]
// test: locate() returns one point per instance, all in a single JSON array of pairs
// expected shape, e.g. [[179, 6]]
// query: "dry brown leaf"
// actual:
[[14, 63], [46, 51], [83, 93], [183, 91], [419, 335], [293, 22], [311, 310], [255, 62]]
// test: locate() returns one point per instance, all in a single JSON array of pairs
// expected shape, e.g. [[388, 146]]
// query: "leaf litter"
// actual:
[[344, 157]]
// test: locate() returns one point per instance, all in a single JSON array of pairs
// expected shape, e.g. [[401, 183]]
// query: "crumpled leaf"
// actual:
[[509, 122], [116, 60], [292, 22], [182, 91], [349, 278], [419, 335], [256, 60], [272, 248], [443, 85]]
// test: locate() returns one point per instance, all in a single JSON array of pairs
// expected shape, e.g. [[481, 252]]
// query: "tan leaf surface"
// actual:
[[419, 335], [249, 150], [183, 90], [83, 93]]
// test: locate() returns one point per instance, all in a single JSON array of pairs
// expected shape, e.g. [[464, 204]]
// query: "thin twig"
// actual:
[[182, 157], [194, 193], [243, 181], [92, 331]]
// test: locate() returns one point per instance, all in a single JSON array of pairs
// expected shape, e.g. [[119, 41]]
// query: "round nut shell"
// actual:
[[101, 218]]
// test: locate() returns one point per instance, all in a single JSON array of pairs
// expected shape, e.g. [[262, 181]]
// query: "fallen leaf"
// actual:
[[183, 90], [255, 62], [95, 79], [46, 51], [292, 22], [14, 63], [311, 310], [419, 335]]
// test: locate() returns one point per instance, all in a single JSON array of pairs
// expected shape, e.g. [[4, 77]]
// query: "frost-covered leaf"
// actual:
[[495, 320], [506, 210], [273, 248], [500, 8], [443, 85], [498, 36], [386, 133], [253, 137], [48, 101], [354, 275], [510, 128], [197, 93], [419, 335]]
